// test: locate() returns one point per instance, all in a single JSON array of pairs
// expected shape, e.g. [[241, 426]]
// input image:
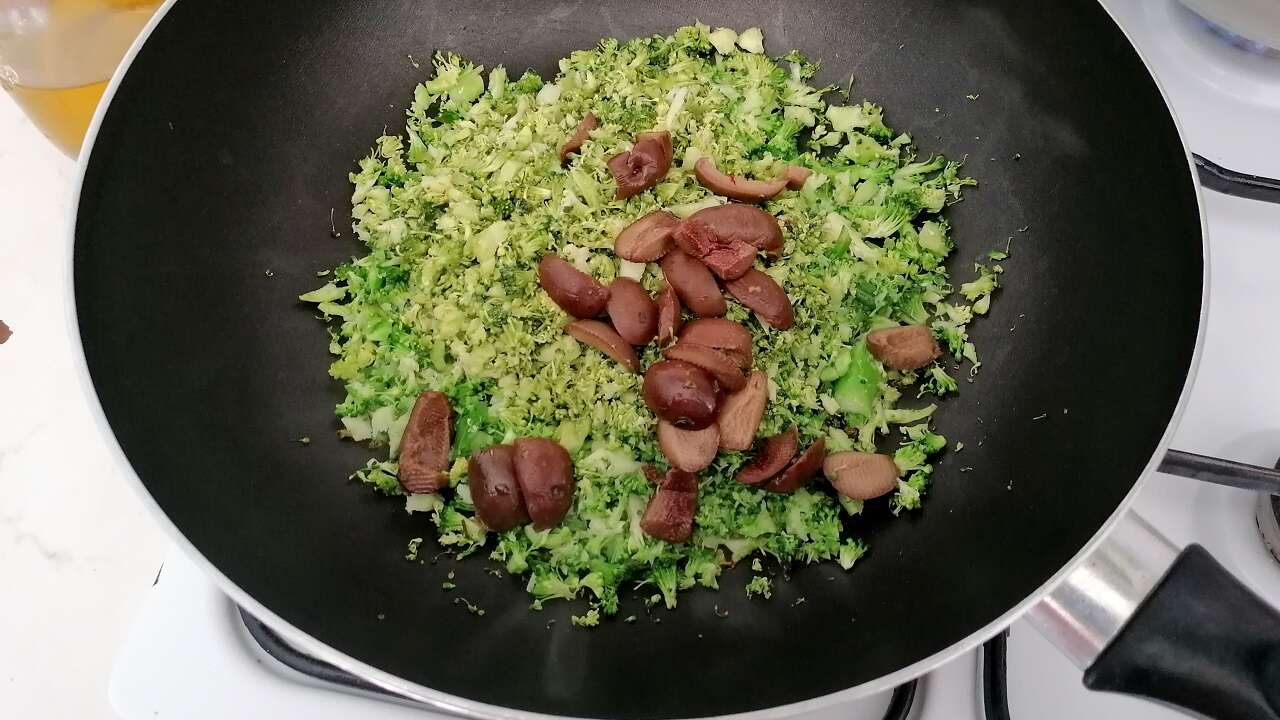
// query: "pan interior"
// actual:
[[229, 141]]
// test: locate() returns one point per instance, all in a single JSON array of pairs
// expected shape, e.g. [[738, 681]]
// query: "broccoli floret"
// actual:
[[589, 619], [381, 475], [456, 80], [910, 493], [411, 552], [702, 568], [760, 586], [667, 580], [980, 289], [938, 381], [915, 452], [857, 391], [838, 366], [546, 584], [850, 551], [850, 506]]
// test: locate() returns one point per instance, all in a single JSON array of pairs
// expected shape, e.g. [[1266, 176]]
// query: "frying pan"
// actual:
[[227, 142]]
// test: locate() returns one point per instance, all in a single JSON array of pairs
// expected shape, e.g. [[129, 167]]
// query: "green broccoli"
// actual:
[[455, 213], [760, 586]]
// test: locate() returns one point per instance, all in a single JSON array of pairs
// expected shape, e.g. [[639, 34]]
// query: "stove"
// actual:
[[193, 654]]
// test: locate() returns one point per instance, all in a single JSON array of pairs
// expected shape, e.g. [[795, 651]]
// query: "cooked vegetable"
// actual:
[[727, 336], [904, 348], [495, 492], [736, 188], [424, 444], [579, 136], [775, 454], [861, 476], [858, 390], [722, 368], [669, 515], [740, 413], [605, 339], [742, 223], [456, 213], [694, 284], [681, 393], [801, 470], [648, 238], [632, 312], [761, 586], [576, 292], [762, 294], [545, 474], [688, 450]]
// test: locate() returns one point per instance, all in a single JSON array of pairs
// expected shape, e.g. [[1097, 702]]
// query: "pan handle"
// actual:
[[1141, 618]]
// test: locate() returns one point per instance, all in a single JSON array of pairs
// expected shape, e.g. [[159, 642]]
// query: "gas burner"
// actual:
[[1269, 523], [1264, 480], [1257, 45]]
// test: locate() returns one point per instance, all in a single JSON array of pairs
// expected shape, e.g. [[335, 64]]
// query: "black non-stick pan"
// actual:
[[228, 140]]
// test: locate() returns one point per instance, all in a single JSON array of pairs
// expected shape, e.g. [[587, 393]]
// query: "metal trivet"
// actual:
[[1269, 523]]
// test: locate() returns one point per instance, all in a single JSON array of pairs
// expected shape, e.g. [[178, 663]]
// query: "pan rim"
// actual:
[[463, 707]]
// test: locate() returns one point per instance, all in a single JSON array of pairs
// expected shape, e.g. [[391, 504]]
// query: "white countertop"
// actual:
[[77, 548]]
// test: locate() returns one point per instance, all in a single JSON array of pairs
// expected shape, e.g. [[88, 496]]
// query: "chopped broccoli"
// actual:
[[938, 382], [760, 586], [838, 366], [751, 40], [589, 619], [979, 290], [723, 39], [470, 606], [858, 390], [411, 552], [455, 212], [910, 492], [850, 551]]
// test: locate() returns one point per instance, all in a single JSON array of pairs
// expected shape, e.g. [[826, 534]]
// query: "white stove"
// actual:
[[190, 656]]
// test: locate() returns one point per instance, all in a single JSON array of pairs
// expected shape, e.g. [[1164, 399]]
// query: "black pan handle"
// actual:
[[1139, 616], [1201, 640]]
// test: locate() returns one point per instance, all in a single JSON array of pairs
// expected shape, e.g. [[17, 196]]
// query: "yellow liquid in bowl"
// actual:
[[57, 55], [62, 114]]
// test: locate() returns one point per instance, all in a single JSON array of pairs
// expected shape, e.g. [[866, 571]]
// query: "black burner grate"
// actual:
[[1269, 523]]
